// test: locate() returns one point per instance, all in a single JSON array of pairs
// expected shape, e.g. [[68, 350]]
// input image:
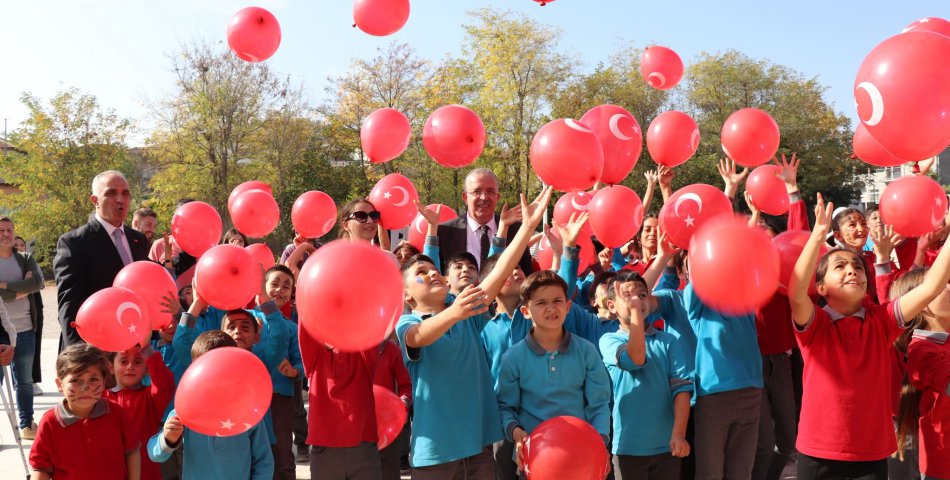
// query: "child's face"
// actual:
[[845, 279], [403, 255], [874, 219], [168, 332], [242, 329], [600, 299], [852, 230], [648, 235], [629, 292], [279, 287], [187, 294], [82, 389], [462, 273], [129, 367], [547, 307], [424, 284], [512, 286]]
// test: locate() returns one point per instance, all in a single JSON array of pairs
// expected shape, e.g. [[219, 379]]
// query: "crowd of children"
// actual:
[[482, 356]]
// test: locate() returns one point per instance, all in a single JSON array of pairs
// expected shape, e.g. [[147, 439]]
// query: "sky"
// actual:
[[118, 50]]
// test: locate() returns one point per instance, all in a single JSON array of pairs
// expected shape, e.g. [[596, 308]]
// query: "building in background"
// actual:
[[876, 178]]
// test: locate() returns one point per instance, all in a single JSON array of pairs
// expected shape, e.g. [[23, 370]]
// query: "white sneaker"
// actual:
[[37, 391]]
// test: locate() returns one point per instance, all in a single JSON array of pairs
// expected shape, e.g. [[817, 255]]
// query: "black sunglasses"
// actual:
[[363, 217]]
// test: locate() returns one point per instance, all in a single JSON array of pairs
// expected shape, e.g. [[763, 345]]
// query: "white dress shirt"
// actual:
[[473, 242], [109, 231]]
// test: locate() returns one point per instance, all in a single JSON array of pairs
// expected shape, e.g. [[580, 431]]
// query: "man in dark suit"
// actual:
[[89, 257], [475, 228]]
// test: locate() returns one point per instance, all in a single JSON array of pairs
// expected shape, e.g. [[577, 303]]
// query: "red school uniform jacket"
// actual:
[[391, 373], [928, 368], [145, 407], [71, 448], [342, 406], [846, 405]]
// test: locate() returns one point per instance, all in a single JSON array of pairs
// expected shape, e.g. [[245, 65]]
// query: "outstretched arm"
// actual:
[[935, 281], [804, 271]]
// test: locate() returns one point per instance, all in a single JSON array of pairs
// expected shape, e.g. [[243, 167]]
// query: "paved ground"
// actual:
[[11, 467]]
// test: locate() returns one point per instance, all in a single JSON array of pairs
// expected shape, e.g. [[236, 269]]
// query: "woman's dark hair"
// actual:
[[231, 233], [348, 210], [637, 245], [908, 410]]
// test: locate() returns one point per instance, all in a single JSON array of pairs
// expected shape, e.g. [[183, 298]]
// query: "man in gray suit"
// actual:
[[475, 228]]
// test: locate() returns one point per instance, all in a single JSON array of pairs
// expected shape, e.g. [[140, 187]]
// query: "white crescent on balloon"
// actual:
[[877, 103], [580, 208], [122, 308], [570, 122], [405, 196], [694, 140], [687, 197], [419, 221], [658, 78], [615, 127]]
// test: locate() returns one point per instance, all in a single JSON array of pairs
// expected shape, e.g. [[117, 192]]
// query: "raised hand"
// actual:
[[665, 176], [664, 247], [557, 244], [788, 171], [431, 216], [651, 176], [822, 216], [572, 231], [884, 241], [508, 217], [470, 301], [534, 211], [731, 179]]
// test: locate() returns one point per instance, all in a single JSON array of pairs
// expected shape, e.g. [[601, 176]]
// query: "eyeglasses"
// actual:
[[363, 217], [483, 193]]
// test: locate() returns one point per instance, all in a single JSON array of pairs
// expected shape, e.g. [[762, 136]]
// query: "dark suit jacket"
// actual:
[[86, 262], [453, 237]]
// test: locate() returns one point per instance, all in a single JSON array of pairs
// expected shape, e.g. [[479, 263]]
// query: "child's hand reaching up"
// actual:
[[572, 231], [172, 430], [823, 215], [534, 211]]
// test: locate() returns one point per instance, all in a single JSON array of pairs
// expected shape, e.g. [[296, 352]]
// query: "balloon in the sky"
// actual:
[[620, 138], [672, 138], [661, 67], [253, 34], [380, 17]]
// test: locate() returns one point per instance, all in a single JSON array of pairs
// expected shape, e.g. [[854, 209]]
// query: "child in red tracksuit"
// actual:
[[144, 405]]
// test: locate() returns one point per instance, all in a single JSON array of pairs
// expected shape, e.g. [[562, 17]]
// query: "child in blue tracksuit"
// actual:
[[722, 356], [552, 372], [651, 387], [440, 338], [243, 456]]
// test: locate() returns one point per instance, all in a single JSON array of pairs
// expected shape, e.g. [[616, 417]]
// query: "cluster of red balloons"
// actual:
[[313, 214], [394, 196], [253, 34], [227, 277], [750, 137], [913, 205], [565, 447], [253, 209], [352, 309], [196, 227], [902, 95], [113, 319], [153, 284], [209, 401], [734, 268]]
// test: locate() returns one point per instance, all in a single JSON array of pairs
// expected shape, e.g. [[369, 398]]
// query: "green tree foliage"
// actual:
[[67, 142]]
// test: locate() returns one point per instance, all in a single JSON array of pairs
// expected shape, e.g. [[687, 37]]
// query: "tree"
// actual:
[[67, 142]]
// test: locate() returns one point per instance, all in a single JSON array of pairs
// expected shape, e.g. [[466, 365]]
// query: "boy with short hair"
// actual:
[[552, 372], [440, 338], [461, 269], [85, 436], [246, 455], [651, 387]]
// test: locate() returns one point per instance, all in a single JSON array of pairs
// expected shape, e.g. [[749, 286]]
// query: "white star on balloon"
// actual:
[[227, 424], [690, 221], [387, 195], [247, 426], [132, 329]]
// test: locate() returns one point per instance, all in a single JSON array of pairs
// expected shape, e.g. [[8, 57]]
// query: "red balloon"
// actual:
[[385, 135], [196, 227], [255, 213], [661, 67], [573, 203], [211, 401], [672, 138], [567, 155], [563, 448], [767, 190], [733, 267], [313, 214], [615, 215], [929, 24], [113, 319], [871, 152], [380, 17], [790, 245], [391, 416], [352, 309], [394, 196], [152, 283], [689, 208], [543, 2], [227, 277], [588, 254], [253, 34], [453, 136], [914, 205], [750, 137], [903, 96], [620, 139], [419, 228], [262, 255], [248, 185]]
